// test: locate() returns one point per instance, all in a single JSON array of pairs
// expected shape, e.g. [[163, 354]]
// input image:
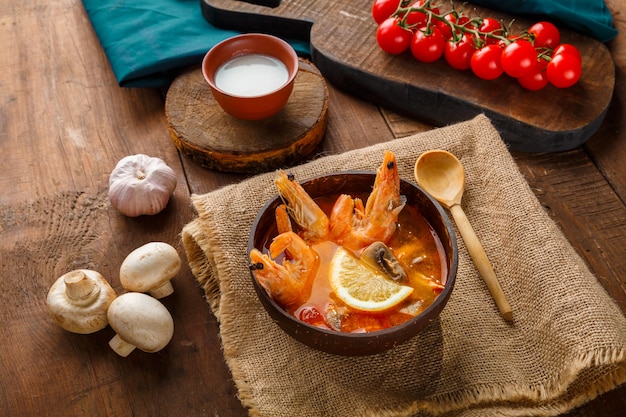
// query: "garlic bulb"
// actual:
[[141, 184]]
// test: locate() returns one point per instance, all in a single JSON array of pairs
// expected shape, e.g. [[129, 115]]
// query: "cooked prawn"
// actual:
[[290, 281], [283, 222], [302, 209], [355, 226]]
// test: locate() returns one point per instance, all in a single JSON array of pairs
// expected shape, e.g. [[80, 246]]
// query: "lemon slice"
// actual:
[[361, 287]]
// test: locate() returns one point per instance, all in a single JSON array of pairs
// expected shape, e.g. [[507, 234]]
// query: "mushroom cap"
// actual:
[[149, 266], [83, 314], [141, 320]]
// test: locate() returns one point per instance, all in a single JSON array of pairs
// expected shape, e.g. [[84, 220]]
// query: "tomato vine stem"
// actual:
[[469, 26]]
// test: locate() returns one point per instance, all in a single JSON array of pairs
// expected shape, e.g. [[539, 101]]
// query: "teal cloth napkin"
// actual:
[[590, 17], [147, 42]]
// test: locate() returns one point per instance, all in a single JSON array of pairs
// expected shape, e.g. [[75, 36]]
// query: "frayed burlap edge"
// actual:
[[202, 264], [535, 400], [205, 266]]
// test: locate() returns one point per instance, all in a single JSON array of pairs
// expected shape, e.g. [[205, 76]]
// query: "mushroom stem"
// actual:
[[162, 291], [120, 346], [80, 288], [78, 301]]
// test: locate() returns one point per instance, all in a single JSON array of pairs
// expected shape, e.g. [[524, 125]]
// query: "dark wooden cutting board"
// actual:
[[343, 47]]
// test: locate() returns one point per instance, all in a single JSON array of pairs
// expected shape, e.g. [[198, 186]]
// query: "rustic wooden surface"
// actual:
[[201, 130], [64, 123], [343, 46]]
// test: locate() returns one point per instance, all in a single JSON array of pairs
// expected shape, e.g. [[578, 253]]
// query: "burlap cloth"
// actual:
[[567, 343]]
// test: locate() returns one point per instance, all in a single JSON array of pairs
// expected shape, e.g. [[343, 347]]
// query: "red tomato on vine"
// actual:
[[459, 54], [492, 26], [519, 58], [444, 27], [393, 38], [428, 44], [482, 44], [566, 48], [564, 70], [417, 19], [383, 9], [546, 35], [486, 62], [535, 79]]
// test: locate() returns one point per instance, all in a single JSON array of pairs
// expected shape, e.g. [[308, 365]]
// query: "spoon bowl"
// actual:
[[441, 175]]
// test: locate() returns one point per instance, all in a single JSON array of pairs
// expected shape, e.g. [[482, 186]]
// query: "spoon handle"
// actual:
[[481, 261]]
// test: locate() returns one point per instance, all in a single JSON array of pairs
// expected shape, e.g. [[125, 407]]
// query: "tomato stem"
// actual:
[[470, 26]]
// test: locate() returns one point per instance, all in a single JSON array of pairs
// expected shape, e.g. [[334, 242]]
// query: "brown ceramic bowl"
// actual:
[[252, 104], [353, 344]]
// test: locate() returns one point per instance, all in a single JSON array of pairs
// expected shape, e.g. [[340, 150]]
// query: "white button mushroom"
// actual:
[[78, 301], [149, 268], [140, 321]]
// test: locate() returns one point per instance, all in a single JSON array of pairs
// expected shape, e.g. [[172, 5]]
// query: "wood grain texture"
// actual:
[[343, 46], [64, 124], [201, 129]]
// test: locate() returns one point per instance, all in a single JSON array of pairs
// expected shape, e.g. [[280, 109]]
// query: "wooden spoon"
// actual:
[[441, 175]]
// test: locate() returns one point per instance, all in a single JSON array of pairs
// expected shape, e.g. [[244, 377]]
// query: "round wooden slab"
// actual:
[[343, 47], [204, 132]]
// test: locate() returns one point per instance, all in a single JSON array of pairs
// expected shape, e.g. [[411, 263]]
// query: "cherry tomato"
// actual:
[[434, 9], [417, 19], [393, 38], [537, 78], [564, 70], [461, 19], [454, 18], [445, 28], [519, 58], [492, 26], [311, 315], [566, 48], [427, 44], [486, 63], [382, 9], [546, 35], [459, 54]]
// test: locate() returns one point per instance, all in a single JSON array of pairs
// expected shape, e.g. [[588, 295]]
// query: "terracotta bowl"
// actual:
[[251, 107], [353, 344]]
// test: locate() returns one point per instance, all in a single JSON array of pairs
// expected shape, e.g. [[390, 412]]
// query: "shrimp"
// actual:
[[302, 209], [289, 282], [354, 226], [283, 222]]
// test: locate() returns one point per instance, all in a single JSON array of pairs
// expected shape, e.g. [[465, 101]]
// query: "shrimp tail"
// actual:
[[283, 222], [355, 226], [302, 208], [289, 282]]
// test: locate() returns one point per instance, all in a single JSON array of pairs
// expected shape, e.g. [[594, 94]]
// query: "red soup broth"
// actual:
[[416, 246]]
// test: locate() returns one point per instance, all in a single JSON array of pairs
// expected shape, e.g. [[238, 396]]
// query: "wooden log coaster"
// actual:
[[344, 49], [203, 131]]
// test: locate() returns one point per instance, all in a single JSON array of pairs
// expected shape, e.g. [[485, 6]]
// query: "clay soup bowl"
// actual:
[[353, 344]]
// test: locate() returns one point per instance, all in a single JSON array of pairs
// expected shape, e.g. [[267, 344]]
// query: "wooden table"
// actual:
[[64, 123]]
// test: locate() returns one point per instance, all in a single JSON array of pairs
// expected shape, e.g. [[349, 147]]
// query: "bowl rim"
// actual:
[[210, 78], [436, 304]]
